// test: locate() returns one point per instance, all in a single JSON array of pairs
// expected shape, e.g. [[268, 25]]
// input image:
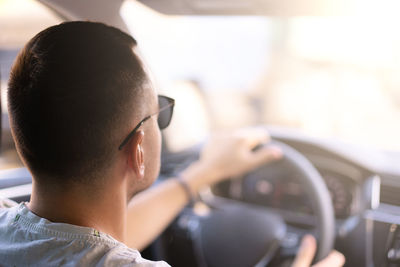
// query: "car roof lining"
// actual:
[[107, 11]]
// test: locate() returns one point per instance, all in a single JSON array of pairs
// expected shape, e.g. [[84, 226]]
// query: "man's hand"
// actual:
[[232, 154], [307, 251]]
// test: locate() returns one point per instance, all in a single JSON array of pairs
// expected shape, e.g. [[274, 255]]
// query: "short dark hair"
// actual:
[[71, 89]]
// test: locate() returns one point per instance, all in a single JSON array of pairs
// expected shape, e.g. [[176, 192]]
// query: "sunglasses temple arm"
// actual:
[[126, 140]]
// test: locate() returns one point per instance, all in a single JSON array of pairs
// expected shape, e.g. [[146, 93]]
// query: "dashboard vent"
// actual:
[[390, 194]]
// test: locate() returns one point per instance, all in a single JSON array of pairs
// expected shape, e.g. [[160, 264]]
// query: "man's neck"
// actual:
[[79, 205]]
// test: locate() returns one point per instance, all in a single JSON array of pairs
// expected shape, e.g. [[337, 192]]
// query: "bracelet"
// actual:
[[185, 186]]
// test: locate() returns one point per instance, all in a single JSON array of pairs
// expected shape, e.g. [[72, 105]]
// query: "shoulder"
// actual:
[[7, 203], [121, 255]]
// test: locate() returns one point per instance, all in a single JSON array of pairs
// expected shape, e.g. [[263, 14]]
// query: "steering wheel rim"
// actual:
[[209, 247], [214, 227], [319, 195]]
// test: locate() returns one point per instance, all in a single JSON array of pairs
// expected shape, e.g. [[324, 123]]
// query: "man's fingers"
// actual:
[[267, 154], [306, 252], [254, 136], [334, 259]]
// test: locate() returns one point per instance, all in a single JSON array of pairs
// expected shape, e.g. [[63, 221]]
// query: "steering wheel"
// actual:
[[227, 239]]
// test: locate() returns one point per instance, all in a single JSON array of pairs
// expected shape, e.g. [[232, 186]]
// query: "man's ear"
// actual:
[[137, 154]]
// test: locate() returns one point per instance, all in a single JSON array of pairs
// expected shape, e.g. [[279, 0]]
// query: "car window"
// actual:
[[20, 20], [325, 76]]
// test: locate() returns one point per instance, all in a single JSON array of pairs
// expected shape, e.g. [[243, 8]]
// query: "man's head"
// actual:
[[75, 91]]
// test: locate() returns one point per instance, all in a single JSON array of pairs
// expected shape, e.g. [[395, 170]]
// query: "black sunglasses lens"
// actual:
[[165, 115]]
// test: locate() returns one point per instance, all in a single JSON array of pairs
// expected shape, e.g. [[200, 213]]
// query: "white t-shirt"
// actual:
[[29, 240]]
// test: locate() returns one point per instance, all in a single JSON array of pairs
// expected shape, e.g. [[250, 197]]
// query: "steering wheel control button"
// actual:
[[290, 240], [394, 255]]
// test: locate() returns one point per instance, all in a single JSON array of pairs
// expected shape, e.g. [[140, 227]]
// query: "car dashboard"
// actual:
[[364, 197], [364, 189]]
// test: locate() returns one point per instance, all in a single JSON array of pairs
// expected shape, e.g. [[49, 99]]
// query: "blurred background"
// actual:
[[325, 76]]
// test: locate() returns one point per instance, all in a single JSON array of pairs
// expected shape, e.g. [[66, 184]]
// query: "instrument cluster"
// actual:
[[282, 190]]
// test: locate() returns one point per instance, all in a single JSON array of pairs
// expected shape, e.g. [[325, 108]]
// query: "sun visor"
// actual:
[[252, 7]]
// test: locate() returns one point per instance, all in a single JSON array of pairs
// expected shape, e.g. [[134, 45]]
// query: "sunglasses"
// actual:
[[166, 108]]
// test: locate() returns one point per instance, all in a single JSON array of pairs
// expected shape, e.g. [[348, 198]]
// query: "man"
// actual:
[[86, 122]]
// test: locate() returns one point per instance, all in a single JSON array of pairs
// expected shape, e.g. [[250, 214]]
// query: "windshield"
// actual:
[[325, 76]]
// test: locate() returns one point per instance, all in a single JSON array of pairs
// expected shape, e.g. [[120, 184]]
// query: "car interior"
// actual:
[[321, 77]]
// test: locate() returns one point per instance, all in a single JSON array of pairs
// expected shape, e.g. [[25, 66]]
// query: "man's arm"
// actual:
[[224, 156], [151, 211]]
